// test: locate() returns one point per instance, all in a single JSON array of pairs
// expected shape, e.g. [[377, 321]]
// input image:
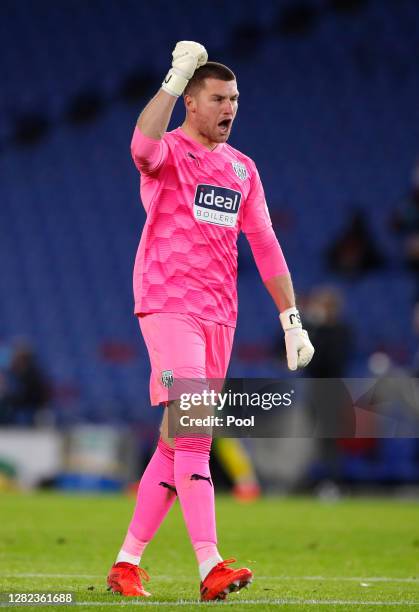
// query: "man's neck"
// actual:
[[198, 137]]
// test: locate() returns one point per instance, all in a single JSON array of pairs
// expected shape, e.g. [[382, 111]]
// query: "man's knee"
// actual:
[[197, 423], [164, 428]]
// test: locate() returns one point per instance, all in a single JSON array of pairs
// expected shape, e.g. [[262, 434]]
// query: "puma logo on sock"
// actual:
[[199, 477], [167, 486]]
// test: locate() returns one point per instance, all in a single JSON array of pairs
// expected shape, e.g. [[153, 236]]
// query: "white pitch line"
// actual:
[[342, 578], [252, 602], [285, 578], [19, 575]]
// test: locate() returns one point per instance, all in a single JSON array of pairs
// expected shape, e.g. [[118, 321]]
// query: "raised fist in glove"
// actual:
[[297, 343], [187, 57]]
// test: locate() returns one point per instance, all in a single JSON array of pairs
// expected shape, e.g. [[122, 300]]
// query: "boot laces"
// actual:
[[139, 573], [143, 574], [226, 562]]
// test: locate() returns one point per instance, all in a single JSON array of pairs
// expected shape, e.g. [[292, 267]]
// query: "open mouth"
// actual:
[[224, 125]]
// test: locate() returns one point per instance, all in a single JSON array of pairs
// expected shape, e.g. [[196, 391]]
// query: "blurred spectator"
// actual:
[[5, 409], [234, 458], [330, 334], [330, 406], [24, 388], [415, 368], [354, 252], [394, 395], [405, 222], [332, 337]]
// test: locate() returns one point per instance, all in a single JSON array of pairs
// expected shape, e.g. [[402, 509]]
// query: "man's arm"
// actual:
[[187, 57], [146, 146], [281, 291], [274, 272], [155, 117], [299, 348]]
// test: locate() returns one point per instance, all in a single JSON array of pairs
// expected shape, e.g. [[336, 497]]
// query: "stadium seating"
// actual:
[[330, 118]]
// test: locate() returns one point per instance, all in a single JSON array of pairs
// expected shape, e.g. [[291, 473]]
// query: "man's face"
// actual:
[[212, 109]]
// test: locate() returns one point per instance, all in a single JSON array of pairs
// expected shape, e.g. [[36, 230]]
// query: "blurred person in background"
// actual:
[[405, 222], [354, 252], [415, 368], [25, 388], [237, 464], [5, 410], [334, 336], [328, 403]]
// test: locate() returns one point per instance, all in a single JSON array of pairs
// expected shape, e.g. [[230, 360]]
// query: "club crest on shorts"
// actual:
[[240, 170], [167, 378]]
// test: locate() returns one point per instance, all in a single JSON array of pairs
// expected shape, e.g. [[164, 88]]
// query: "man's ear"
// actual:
[[190, 103]]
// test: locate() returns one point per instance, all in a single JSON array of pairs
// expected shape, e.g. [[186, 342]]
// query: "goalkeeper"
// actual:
[[199, 194]]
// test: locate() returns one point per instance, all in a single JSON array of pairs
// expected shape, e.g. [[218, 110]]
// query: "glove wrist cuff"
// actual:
[[174, 83], [290, 319]]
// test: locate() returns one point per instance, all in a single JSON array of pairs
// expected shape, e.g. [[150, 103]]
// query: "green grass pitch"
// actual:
[[306, 555]]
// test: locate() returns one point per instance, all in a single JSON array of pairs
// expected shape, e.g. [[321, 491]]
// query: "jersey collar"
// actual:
[[197, 145]]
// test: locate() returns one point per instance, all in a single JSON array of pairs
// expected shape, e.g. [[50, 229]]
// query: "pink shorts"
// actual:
[[182, 346]]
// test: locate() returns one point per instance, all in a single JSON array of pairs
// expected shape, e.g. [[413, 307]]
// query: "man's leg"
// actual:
[[155, 496], [196, 495], [156, 491], [176, 348], [221, 579], [194, 487]]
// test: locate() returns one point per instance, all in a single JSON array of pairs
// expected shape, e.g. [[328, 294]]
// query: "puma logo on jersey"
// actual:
[[217, 205]]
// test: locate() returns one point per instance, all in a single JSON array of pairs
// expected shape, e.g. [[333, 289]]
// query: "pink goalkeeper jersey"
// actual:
[[197, 201]]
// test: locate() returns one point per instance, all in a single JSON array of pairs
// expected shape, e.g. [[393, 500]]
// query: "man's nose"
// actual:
[[228, 106]]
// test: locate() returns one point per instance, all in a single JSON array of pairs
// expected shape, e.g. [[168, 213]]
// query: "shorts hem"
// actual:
[[138, 312]]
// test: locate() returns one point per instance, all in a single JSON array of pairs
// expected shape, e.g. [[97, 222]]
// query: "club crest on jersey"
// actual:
[[240, 170], [167, 378], [217, 205]]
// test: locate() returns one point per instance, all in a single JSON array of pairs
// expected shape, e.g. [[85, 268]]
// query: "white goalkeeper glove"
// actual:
[[297, 343], [187, 57]]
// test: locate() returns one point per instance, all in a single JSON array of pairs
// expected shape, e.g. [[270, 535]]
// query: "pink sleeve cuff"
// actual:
[[268, 254], [147, 153]]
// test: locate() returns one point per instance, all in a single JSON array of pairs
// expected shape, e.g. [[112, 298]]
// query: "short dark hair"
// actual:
[[210, 70]]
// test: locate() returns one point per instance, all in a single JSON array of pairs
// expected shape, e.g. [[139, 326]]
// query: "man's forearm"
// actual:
[[281, 291], [187, 57], [297, 343], [155, 117]]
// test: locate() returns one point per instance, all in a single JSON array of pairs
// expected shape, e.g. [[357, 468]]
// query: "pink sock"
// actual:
[[196, 495], [155, 497]]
